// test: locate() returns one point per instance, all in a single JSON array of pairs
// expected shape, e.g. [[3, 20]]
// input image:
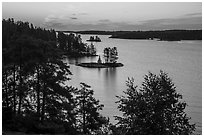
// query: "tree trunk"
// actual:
[[6, 89], [20, 84], [43, 106], [44, 88], [43, 100], [38, 92], [14, 89], [20, 93], [84, 113]]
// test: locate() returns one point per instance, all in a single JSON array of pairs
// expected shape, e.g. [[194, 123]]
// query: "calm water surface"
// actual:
[[181, 60]]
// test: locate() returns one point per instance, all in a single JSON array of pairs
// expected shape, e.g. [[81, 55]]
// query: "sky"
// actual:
[[110, 16]]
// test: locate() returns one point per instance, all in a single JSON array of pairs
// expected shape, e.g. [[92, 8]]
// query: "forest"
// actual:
[[166, 35], [163, 35], [36, 98], [94, 32]]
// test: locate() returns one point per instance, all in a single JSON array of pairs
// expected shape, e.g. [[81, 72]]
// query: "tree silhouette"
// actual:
[[35, 96], [155, 108], [33, 80], [89, 118]]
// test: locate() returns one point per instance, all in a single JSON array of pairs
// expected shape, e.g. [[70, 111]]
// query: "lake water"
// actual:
[[181, 60]]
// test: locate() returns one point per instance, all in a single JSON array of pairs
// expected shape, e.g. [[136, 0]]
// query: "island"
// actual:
[[96, 39], [100, 65], [110, 56]]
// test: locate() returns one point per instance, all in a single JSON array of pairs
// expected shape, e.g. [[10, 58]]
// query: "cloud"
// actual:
[[184, 22], [79, 14], [55, 25], [83, 13], [194, 14], [73, 18], [73, 22], [104, 20], [56, 22]]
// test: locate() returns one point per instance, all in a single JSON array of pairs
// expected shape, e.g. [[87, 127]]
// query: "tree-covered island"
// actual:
[[92, 39]]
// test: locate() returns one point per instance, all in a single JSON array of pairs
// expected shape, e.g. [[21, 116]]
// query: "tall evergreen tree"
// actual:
[[33, 78], [88, 117]]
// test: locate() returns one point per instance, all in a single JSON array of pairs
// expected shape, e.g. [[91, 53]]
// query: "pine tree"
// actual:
[[88, 116], [34, 79]]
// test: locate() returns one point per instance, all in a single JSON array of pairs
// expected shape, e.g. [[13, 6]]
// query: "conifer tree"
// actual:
[[88, 117]]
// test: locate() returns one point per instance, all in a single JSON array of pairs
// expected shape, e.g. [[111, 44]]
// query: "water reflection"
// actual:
[[78, 60], [99, 70], [110, 78]]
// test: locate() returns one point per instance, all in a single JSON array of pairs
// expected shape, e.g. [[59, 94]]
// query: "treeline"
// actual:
[[94, 32], [11, 30], [72, 45], [36, 98], [166, 35]]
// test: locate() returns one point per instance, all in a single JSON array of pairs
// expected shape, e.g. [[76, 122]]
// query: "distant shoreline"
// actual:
[[161, 35]]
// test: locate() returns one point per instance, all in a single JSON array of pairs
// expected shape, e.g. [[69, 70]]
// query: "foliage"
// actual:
[[11, 30], [34, 76], [88, 117], [36, 84], [71, 44], [168, 35], [35, 96], [155, 108]]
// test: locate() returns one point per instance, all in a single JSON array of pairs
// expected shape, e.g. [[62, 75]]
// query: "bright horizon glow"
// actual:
[[107, 15]]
